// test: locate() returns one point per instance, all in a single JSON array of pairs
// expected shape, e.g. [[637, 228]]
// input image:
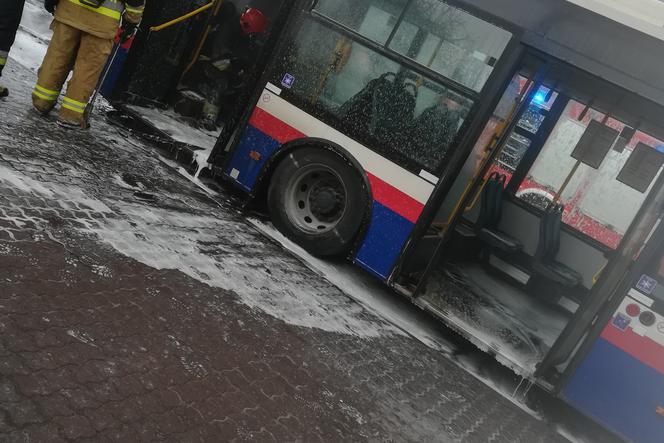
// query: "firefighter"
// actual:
[[10, 17], [83, 32], [220, 72]]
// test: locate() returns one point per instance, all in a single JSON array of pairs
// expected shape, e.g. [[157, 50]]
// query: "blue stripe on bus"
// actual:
[[620, 392], [247, 168], [387, 233]]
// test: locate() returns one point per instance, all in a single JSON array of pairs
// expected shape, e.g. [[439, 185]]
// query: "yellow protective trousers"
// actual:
[[70, 49]]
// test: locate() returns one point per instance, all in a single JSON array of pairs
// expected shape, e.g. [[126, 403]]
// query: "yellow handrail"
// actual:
[[202, 40], [183, 18]]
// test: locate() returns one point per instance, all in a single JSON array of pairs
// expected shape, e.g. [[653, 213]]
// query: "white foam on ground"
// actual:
[[168, 121], [163, 239], [166, 239], [33, 36], [377, 298], [36, 20], [369, 292], [23, 183], [28, 51]]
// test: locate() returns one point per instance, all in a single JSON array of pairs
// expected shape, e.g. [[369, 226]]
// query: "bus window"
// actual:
[[451, 42], [596, 203], [374, 19], [396, 112]]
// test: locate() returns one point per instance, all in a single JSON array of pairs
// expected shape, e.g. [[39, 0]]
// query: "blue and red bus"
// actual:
[[499, 164], [500, 186]]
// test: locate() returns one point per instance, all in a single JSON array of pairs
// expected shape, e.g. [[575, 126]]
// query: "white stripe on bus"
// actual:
[[391, 173]]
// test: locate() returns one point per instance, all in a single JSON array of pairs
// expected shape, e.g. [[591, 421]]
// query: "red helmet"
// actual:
[[253, 21]]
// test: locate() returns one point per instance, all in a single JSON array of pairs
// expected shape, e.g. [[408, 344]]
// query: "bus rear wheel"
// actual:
[[317, 200]]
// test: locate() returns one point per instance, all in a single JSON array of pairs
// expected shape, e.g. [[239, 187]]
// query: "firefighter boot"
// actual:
[[209, 118]]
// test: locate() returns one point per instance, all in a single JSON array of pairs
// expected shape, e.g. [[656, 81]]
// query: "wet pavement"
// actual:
[[135, 307]]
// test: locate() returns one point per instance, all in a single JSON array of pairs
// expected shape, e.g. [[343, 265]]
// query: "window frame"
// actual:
[[384, 49], [462, 8], [328, 117]]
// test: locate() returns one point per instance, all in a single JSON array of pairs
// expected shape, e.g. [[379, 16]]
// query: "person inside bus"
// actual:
[[434, 129], [219, 75]]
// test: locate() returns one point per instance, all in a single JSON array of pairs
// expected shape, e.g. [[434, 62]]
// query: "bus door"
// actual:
[[620, 382]]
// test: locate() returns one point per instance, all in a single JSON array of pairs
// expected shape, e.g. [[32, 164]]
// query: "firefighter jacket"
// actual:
[[101, 22], [10, 17]]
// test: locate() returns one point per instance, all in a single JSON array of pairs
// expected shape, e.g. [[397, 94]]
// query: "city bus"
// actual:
[[499, 164]]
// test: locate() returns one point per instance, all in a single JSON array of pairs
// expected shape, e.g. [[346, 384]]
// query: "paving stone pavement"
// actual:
[[133, 307]]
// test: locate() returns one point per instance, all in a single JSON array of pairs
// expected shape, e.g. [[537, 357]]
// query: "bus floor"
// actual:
[[494, 314]]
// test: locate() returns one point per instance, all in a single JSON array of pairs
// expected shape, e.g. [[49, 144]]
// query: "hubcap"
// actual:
[[316, 199]]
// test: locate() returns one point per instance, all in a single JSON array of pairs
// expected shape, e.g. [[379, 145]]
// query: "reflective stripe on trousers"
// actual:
[[73, 105], [45, 94], [3, 57], [139, 10], [110, 8]]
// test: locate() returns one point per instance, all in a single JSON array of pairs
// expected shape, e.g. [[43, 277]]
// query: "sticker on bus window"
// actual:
[[621, 321], [288, 81], [646, 285]]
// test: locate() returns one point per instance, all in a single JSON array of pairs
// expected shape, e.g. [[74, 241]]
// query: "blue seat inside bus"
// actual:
[[490, 215], [393, 108], [385, 107], [433, 131], [546, 264]]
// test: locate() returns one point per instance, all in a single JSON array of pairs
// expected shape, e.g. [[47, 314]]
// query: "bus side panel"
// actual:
[[387, 233], [275, 122], [621, 381], [249, 157]]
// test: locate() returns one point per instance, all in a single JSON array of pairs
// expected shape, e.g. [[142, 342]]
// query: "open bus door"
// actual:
[[620, 380], [167, 84]]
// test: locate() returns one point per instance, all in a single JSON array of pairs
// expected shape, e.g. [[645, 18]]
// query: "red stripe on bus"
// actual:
[[383, 192], [644, 349], [273, 127], [395, 200]]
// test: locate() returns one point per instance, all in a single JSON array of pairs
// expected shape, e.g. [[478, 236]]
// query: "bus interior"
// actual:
[[540, 205], [177, 80]]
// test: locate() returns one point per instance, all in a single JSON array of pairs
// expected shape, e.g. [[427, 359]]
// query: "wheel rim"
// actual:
[[316, 199]]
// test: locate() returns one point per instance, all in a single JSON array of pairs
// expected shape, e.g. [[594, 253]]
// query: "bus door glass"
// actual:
[[621, 380]]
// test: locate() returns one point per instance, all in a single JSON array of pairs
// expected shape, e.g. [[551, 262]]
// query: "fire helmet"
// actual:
[[253, 21]]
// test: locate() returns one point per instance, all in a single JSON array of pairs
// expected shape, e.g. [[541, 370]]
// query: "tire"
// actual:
[[318, 200]]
